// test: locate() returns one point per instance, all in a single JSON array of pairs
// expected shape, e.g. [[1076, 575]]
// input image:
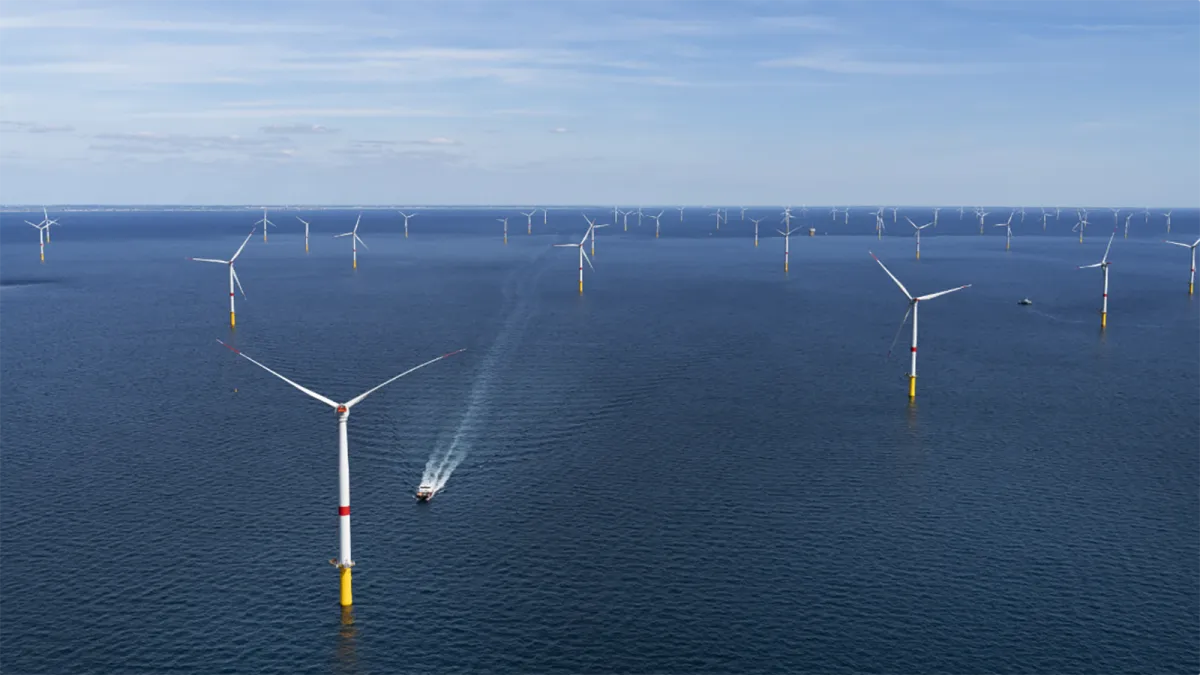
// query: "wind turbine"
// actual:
[[912, 308], [582, 253], [846, 212], [1058, 213], [1007, 231], [264, 222], [1192, 279], [787, 217], [681, 208], [918, 229], [756, 222], [982, 214], [505, 221], [743, 214], [1147, 211], [1045, 215], [1081, 224], [1127, 217], [305, 232], [833, 214], [1116, 217], [960, 213], [45, 225], [786, 246], [879, 226], [1167, 214], [1022, 214], [1103, 265], [233, 277], [718, 215], [639, 216], [528, 223], [935, 216], [894, 209], [624, 219], [343, 562], [406, 217], [42, 230], [354, 240], [545, 215], [656, 222]]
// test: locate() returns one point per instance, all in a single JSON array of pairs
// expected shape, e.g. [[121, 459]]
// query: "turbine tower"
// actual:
[[1103, 265], [354, 240], [582, 253], [233, 277], [1192, 278], [264, 222], [917, 232], [305, 232], [406, 217]]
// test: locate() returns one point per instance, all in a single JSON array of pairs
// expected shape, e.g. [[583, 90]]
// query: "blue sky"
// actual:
[[498, 102]]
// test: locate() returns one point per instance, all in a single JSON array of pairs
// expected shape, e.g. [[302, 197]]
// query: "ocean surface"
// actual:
[[701, 465]]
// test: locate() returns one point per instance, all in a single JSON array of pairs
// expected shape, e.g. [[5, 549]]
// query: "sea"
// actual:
[[702, 464]]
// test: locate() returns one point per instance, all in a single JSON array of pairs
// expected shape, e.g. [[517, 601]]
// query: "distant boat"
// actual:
[[1025, 301], [424, 492]]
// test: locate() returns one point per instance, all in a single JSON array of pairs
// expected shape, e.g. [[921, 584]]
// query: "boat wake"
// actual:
[[445, 459]]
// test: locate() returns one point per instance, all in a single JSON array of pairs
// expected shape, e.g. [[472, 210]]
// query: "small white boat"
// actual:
[[424, 492], [1025, 301]]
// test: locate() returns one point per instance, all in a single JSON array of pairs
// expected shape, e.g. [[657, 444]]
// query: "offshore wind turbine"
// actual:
[[344, 562], [1007, 231], [833, 214], [894, 210], [1116, 217], [305, 232], [44, 225], [1022, 213], [264, 222], [982, 214], [787, 246], [582, 253], [846, 213], [528, 223], [656, 223], [594, 228], [918, 229], [42, 230], [1083, 222], [1127, 217], [1191, 279], [756, 222], [639, 216], [935, 216], [787, 217], [879, 226], [718, 215], [1103, 265], [545, 216], [913, 303], [354, 240], [1045, 215], [1167, 214], [406, 217], [743, 214], [233, 277], [681, 208], [505, 221]]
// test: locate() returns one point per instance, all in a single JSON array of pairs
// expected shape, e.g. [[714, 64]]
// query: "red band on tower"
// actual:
[[343, 510]]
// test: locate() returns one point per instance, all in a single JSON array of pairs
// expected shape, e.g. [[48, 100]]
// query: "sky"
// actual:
[[588, 102]]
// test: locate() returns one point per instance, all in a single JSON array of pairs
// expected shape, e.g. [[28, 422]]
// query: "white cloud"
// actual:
[[34, 127], [297, 129], [844, 65], [558, 130]]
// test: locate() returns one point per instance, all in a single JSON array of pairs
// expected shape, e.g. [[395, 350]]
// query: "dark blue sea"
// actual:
[[701, 465]]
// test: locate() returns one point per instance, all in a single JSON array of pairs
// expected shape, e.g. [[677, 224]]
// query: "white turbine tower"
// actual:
[[681, 208], [594, 228], [935, 216], [44, 225], [264, 222], [718, 215], [406, 217], [879, 226], [545, 216], [1192, 278], [233, 277], [787, 246], [917, 232], [305, 232], [1116, 217], [354, 240], [1022, 214], [1103, 265], [833, 214], [1007, 231], [1167, 214], [343, 562], [912, 309], [787, 217], [894, 210], [846, 213], [582, 253], [1045, 215], [505, 221], [982, 214], [756, 222], [656, 223], [1127, 217]]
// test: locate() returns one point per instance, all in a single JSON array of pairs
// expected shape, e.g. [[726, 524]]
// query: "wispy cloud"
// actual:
[[296, 129], [847, 65], [184, 141], [34, 127], [437, 140], [558, 130]]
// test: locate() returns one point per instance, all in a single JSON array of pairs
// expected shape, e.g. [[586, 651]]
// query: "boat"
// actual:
[[1025, 301], [424, 492]]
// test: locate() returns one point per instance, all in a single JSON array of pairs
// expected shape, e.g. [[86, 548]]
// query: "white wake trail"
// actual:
[[444, 460]]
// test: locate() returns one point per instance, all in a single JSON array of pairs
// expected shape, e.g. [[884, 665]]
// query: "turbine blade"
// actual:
[[356, 222], [893, 276], [239, 251], [354, 401], [1106, 248], [1084, 267], [583, 252], [941, 293], [364, 244], [211, 260], [1179, 244], [565, 245], [302, 220], [910, 222], [344, 234], [237, 281], [898, 330], [310, 392]]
